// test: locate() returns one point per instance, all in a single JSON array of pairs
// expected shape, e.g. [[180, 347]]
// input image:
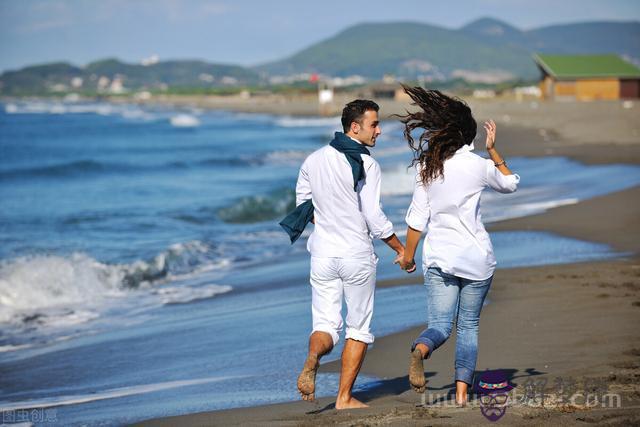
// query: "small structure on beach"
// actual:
[[325, 98], [384, 90], [587, 77]]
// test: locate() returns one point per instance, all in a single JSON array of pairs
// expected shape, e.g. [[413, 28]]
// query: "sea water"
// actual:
[[143, 273]]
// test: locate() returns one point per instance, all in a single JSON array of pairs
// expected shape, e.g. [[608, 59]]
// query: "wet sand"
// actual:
[[573, 321], [570, 321]]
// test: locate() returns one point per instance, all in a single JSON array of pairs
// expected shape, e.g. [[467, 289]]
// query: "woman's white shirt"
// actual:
[[449, 209]]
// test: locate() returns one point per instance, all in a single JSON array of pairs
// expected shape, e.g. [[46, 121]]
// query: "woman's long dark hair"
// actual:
[[448, 125]]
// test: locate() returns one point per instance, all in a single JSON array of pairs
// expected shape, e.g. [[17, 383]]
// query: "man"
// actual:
[[343, 183]]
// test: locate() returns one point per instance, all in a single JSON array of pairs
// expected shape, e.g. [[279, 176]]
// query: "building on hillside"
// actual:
[[382, 90], [587, 77]]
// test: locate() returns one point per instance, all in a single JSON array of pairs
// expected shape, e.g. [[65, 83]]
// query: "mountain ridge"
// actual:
[[481, 45], [486, 49]]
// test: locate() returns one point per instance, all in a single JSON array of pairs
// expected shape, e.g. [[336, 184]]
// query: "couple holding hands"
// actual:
[[338, 189]]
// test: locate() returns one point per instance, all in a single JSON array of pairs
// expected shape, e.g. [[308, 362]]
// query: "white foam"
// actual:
[[32, 283], [58, 109], [293, 122], [137, 114], [75, 317], [289, 157], [526, 209], [11, 108], [127, 111], [7, 348], [398, 181], [184, 121], [391, 151], [75, 399], [391, 126], [184, 294], [62, 291]]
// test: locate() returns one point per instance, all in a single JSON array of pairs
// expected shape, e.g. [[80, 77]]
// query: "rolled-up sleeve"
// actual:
[[499, 182], [419, 211], [379, 226], [303, 187]]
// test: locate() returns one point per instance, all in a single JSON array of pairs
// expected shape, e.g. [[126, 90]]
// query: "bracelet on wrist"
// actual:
[[503, 162]]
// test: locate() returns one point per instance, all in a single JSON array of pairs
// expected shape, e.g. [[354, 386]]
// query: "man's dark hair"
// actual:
[[353, 112]]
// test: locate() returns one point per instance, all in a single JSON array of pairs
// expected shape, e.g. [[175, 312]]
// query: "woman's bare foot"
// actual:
[[350, 403], [416, 372], [307, 378], [461, 394], [461, 402]]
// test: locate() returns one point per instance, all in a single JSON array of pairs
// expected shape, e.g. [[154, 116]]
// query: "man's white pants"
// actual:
[[353, 278]]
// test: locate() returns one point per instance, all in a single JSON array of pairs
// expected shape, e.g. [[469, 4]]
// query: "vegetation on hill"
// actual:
[[484, 52]]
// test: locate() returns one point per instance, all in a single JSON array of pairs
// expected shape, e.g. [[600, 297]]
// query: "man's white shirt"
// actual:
[[449, 208], [346, 221]]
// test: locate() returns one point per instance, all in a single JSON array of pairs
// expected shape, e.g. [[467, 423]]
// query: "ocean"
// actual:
[[143, 273]]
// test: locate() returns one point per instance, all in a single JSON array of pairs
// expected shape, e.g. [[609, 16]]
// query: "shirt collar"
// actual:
[[465, 148], [355, 140]]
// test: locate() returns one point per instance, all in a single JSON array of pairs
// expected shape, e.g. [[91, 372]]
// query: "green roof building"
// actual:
[[587, 77]]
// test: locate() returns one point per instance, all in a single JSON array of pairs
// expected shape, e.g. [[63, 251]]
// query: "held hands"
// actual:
[[407, 265], [490, 128]]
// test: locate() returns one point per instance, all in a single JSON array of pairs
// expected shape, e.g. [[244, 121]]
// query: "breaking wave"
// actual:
[[74, 285], [260, 208], [184, 121]]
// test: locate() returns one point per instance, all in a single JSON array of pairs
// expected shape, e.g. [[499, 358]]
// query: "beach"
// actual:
[[569, 321]]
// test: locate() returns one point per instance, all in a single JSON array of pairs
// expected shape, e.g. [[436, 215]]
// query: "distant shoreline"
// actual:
[[591, 132]]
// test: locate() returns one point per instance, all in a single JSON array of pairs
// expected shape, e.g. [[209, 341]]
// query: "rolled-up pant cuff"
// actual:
[[426, 341], [464, 375], [364, 337]]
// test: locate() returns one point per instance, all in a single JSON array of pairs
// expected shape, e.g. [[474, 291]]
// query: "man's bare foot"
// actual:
[[416, 372], [350, 403], [307, 378]]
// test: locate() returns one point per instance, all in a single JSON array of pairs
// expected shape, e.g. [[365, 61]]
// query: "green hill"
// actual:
[[486, 50], [405, 49], [486, 46], [100, 76]]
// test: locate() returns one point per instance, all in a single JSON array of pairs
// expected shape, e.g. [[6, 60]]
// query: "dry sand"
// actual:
[[574, 321]]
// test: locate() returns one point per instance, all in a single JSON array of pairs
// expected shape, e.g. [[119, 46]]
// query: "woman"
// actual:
[[457, 256]]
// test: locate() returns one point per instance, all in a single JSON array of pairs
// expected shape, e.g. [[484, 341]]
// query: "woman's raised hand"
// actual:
[[490, 128]]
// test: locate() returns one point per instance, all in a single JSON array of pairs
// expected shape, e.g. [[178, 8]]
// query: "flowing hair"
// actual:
[[448, 125]]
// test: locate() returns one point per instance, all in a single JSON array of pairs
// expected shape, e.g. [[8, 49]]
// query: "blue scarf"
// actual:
[[295, 222]]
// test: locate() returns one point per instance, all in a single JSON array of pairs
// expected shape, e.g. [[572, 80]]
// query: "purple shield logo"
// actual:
[[493, 388]]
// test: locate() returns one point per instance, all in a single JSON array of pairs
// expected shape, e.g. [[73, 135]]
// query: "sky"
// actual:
[[242, 31]]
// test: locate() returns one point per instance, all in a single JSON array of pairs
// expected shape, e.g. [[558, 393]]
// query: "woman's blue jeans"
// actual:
[[452, 298]]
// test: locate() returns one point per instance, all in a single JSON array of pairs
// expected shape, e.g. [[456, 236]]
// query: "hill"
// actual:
[[483, 48], [486, 51], [114, 76]]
